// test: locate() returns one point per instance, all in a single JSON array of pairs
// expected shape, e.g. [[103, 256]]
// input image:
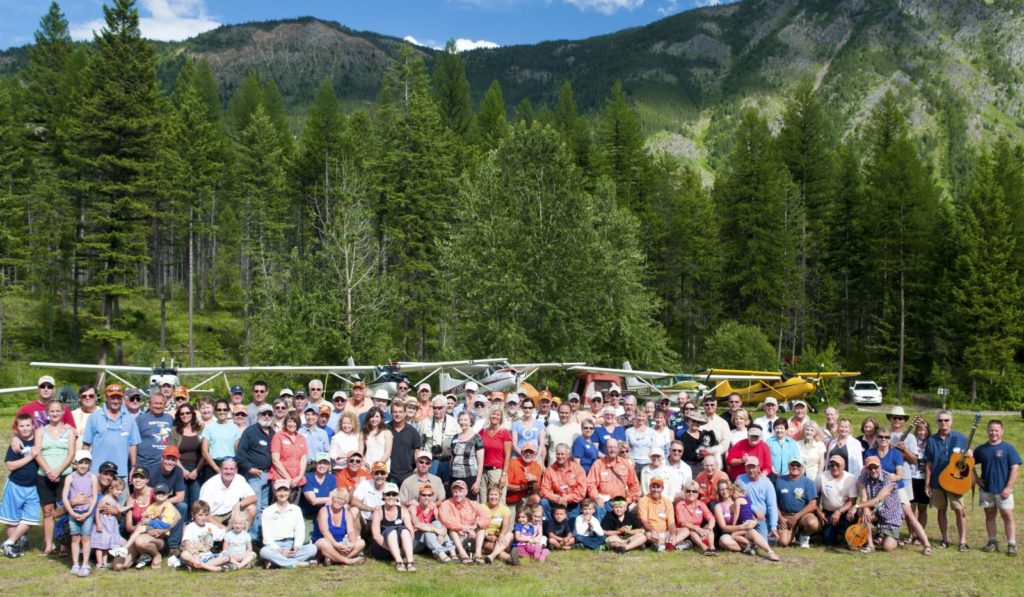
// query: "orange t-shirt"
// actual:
[[707, 486], [517, 476], [347, 481], [657, 514]]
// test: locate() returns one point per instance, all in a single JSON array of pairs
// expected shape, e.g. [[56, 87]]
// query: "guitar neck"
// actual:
[[974, 427]]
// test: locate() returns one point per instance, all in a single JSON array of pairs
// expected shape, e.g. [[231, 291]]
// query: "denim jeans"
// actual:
[[443, 469], [592, 542], [174, 541], [260, 485], [437, 542], [572, 510], [270, 554]]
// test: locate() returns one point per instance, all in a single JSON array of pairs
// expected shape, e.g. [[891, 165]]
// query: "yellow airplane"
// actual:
[[784, 387]]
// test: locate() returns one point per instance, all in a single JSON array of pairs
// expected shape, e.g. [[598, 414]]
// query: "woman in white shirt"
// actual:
[[812, 450], [347, 439], [642, 439], [376, 439]]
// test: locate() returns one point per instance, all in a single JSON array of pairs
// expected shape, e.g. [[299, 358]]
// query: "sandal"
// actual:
[[772, 556], [466, 560], [410, 567], [711, 553], [481, 561], [927, 550], [443, 558], [943, 544], [400, 566], [359, 560], [157, 563], [964, 547]]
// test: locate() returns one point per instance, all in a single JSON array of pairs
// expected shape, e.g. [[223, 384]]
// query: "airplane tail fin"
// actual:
[[631, 383], [446, 382]]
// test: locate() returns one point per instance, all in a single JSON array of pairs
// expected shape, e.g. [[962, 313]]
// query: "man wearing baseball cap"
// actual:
[[524, 476], [798, 505], [357, 403], [838, 492], [237, 396], [753, 445], [879, 504], [368, 496], [436, 435], [111, 434], [168, 473], [254, 461], [424, 408], [338, 401], [761, 495], [37, 408], [771, 412]]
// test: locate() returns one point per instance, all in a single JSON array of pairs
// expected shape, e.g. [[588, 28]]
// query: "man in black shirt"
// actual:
[[169, 473], [253, 456], [404, 444]]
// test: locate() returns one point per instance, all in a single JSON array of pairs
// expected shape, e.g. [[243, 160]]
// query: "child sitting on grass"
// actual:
[[529, 534], [20, 507], [557, 529], [238, 544], [197, 541]]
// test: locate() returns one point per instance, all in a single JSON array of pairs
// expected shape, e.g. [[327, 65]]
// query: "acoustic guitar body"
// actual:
[[956, 477]]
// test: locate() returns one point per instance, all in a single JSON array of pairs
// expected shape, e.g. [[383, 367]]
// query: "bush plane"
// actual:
[[645, 384], [784, 387]]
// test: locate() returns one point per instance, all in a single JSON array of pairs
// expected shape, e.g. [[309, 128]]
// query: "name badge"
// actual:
[[124, 434], [263, 443], [286, 442], [661, 514], [604, 473], [563, 486], [783, 491]]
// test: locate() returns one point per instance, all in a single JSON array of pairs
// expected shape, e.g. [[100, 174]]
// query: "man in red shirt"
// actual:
[[37, 408], [524, 477], [611, 476], [754, 446]]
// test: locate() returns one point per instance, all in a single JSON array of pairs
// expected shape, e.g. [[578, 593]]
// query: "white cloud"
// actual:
[[461, 44], [167, 20], [606, 7]]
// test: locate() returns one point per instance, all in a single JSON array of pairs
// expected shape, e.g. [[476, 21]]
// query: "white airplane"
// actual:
[[642, 383], [500, 376]]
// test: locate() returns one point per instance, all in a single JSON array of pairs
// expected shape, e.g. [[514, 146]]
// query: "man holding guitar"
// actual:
[[938, 452]]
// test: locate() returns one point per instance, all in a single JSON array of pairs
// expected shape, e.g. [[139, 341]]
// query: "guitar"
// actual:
[[957, 477]]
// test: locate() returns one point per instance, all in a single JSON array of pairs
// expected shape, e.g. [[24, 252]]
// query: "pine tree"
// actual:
[[451, 91], [244, 103], [114, 141], [902, 213], [413, 170], [524, 112], [320, 151], [987, 293], [805, 144], [575, 133], [621, 153], [491, 122], [752, 196], [273, 103]]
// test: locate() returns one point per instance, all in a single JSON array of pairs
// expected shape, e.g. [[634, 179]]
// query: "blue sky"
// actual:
[[428, 22]]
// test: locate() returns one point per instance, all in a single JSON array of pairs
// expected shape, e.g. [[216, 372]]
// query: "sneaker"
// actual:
[[9, 550], [21, 545], [173, 561], [805, 541], [75, 570], [685, 545], [84, 571], [514, 556], [119, 552], [144, 561], [991, 546], [1011, 550], [660, 548]]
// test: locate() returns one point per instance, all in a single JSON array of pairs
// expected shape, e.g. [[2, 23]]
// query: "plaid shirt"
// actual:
[[889, 510]]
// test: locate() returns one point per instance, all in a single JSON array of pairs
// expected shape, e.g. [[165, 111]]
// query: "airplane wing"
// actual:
[[90, 367], [623, 372], [471, 365], [17, 390], [829, 374], [544, 366], [310, 369], [738, 375]]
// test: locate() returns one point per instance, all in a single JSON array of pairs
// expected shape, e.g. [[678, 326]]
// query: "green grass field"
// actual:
[[814, 571]]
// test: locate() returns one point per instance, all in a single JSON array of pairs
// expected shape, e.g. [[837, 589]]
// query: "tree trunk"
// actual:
[[903, 331], [191, 293], [163, 319]]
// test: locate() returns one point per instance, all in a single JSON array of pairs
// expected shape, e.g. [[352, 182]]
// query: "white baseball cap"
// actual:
[[471, 386]]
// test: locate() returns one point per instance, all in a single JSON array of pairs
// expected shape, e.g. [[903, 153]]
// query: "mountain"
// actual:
[[957, 66]]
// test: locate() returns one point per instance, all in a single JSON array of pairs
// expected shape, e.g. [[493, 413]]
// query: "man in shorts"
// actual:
[[879, 504], [1000, 464], [937, 451]]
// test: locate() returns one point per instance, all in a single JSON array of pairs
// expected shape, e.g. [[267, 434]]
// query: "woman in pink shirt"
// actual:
[[288, 456]]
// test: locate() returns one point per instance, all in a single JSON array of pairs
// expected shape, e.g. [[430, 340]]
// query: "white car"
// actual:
[[865, 392]]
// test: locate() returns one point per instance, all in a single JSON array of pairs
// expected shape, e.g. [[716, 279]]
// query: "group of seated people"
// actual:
[[484, 495]]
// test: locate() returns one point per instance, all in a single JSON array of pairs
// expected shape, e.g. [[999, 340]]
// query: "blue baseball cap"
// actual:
[[237, 390]]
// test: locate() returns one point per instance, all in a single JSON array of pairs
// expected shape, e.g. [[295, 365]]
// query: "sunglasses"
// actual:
[[354, 461], [46, 386], [183, 412], [423, 461], [424, 391], [222, 410], [873, 467], [133, 399], [676, 451], [426, 495], [884, 437], [833, 465], [684, 491], [379, 473], [280, 407], [588, 428], [241, 414], [945, 420], [391, 495]]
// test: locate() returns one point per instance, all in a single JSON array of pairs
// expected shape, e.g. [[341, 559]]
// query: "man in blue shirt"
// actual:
[[111, 434], [798, 505], [1000, 464], [316, 438], [254, 461], [761, 495], [937, 451], [154, 431]]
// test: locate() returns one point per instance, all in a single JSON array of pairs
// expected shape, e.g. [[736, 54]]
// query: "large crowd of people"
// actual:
[[301, 480]]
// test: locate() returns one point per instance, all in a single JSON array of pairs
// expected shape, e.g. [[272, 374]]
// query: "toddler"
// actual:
[[529, 538], [106, 533], [238, 543]]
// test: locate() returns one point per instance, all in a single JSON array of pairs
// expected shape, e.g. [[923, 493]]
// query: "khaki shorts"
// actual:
[[894, 533], [941, 499], [994, 500], [905, 494]]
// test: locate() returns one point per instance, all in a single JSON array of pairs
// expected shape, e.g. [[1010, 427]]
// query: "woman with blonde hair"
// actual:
[[497, 451]]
